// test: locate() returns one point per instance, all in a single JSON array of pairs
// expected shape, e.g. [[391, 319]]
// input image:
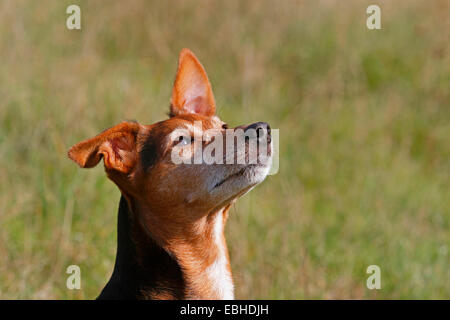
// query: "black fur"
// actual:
[[144, 278]]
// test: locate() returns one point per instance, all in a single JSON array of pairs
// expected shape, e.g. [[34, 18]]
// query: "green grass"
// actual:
[[364, 123]]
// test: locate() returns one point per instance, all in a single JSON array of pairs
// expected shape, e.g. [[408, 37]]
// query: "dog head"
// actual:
[[187, 166]]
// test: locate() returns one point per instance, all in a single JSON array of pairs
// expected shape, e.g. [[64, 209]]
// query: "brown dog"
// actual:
[[172, 215]]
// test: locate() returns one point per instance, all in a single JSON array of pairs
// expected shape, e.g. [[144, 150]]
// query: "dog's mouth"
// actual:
[[239, 173], [231, 176], [238, 183]]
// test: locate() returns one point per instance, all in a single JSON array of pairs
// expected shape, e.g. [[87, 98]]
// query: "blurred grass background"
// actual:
[[364, 123]]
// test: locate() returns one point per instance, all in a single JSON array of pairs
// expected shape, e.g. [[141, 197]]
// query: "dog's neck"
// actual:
[[192, 266]]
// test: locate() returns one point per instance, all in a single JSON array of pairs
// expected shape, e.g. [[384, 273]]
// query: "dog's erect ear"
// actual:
[[192, 91], [116, 145]]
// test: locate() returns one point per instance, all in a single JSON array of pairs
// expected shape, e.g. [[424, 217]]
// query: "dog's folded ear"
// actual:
[[116, 145], [192, 91]]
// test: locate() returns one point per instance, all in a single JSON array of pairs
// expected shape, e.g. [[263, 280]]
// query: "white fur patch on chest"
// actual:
[[218, 271]]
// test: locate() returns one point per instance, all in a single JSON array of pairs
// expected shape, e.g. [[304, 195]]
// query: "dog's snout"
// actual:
[[262, 130]]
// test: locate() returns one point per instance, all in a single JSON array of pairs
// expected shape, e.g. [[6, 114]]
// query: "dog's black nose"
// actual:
[[262, 130]]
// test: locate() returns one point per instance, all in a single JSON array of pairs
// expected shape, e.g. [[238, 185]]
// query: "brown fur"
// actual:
[[166, 218]]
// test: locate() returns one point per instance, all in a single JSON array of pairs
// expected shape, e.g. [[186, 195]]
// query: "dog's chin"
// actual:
[[240, 182], [254, 174]]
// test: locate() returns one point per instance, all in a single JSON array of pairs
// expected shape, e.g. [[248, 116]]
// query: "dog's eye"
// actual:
[[183, 140], [224, 126]]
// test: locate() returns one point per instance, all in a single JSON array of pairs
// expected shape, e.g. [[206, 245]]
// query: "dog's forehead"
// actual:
[[188, 121]]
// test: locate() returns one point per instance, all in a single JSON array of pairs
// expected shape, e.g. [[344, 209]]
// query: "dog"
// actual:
[[172, 214]]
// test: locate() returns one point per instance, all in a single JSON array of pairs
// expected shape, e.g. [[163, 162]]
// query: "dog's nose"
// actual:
[[262, 130]]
